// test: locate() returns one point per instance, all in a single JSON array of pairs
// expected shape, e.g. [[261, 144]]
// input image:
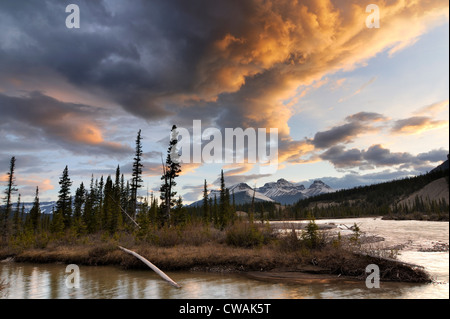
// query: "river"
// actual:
[[415, 238]]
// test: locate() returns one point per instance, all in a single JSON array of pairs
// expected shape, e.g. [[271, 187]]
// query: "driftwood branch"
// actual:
[[153, 267]]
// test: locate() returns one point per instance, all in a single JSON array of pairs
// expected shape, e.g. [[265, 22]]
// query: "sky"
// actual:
[[353, 105]]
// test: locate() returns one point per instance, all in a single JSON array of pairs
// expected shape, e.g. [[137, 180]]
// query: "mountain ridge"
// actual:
[[281, 191]]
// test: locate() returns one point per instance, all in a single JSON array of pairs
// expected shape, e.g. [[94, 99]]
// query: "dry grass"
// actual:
[[203, 248]]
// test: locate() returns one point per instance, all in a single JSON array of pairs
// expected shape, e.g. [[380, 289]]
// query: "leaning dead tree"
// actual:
[[131, 218], [153, 267]]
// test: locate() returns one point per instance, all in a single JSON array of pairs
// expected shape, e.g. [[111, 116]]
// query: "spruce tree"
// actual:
[[10, 190], [79, 204], [108, 206], [35, 213], [17, 221], [116, 218], [205, 203], [215, 213], [171, 170], [136, 181], [64, 203], [89, 207], [179, 216], [57, 224], [224, 203]]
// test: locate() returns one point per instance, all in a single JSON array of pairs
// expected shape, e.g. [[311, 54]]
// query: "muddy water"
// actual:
[[30, 281]]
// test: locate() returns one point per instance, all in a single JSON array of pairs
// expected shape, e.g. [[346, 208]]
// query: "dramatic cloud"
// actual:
[[229, 61], [417, 124], [378, 156], [366, 116], [72, 126], [343, 133], [342, 158], [359, 123]]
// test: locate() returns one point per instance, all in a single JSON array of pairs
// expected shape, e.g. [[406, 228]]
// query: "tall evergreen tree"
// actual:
[[35, 212], [64, 203], [136, 181], [79, 203], [10, 190], [108, 205], [224, 203], [17, 220], [179, 216], [153, 211], [116, 218], [171, 170], [205, 203], [89, 217]]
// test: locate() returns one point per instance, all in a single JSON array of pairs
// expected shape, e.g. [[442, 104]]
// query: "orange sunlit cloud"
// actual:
[[288, 44], [417, 124], [432, 109]]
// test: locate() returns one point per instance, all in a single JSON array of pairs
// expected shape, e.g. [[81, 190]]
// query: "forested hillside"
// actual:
[[384, 199]]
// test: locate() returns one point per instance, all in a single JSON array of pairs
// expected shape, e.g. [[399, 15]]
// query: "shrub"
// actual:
[[311, 236], [244, 234], [290, 242]]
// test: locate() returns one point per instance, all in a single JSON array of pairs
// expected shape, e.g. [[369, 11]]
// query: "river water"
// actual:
[[48, 281]]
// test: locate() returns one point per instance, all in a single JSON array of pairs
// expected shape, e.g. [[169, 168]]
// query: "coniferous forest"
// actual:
[[110, 206], [90, 222]]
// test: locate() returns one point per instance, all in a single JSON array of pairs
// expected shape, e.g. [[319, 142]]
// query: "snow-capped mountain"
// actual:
[[242, 192], [317, 188], [281, 191], [46, 207]]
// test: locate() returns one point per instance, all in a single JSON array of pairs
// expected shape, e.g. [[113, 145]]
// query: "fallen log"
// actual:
[[153, 267]]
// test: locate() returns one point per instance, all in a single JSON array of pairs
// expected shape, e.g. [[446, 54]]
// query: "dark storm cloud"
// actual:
[[73, 126], [366, 116], [358, 124], [378, 156], [433, 156], [340, 157], [338, 134], [229, 62], [140, 53]]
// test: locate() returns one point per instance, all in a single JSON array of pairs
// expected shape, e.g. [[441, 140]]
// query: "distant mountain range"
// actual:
[[281, 191], [46, 207]]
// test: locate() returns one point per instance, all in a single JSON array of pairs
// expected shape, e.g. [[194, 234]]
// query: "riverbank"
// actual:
[[265, 263]]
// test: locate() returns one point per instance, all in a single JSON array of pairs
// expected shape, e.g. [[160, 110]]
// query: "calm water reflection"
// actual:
[[48, 281], [30, 281]]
